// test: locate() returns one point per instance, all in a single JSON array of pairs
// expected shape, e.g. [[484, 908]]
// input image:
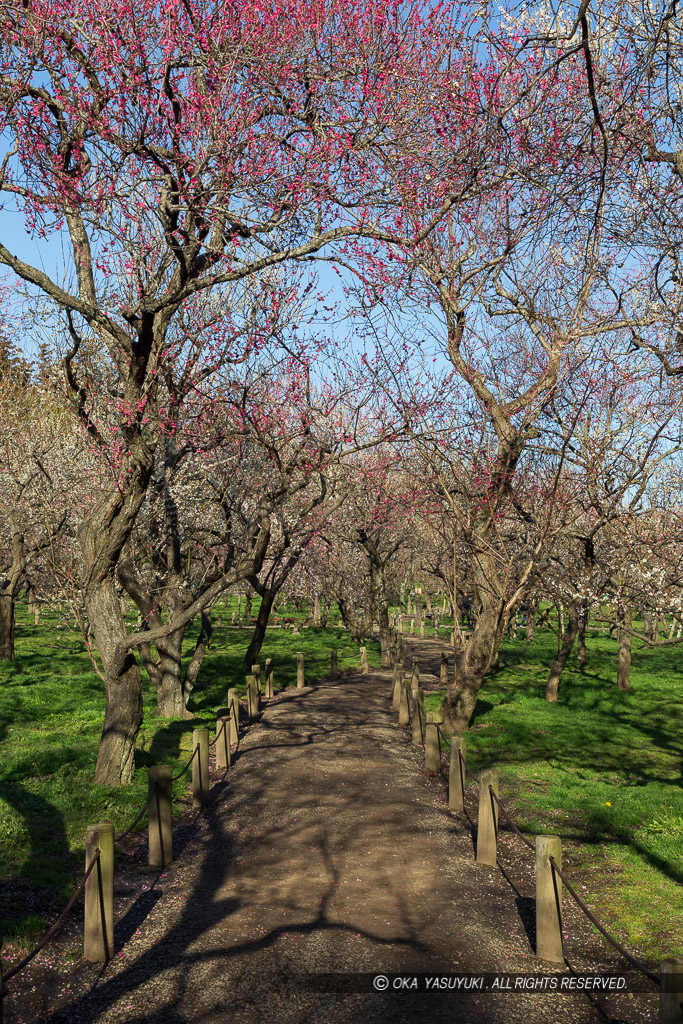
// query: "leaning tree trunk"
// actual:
[[624, 656], [258, 636], [7, 618], [568, 638], [205, 631]]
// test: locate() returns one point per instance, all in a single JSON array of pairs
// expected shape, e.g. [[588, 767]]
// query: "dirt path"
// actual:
[[328, 850]]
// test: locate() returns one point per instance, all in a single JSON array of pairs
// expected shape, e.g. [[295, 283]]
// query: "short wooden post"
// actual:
[[234, 713], [415, 677], [671, 990], [98, 933], [398, 683], [400, 625], [433, 742], [548, 899], [270, 691], [200, 768], [256, 672], [300, 674], [487, 825], [443, 675], [422, 629], [364, 667], [456, 781], [334, 668], [417, 736], [160, 815], [232, 619], [252, 698], [222, 742], [412, 626], [404, 706]]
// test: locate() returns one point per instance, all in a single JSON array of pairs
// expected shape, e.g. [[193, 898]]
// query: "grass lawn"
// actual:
[[601, 769], [51, 712]]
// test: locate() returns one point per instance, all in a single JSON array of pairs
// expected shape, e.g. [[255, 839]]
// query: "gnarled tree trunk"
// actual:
[[123, 689], [258, 636], [7, 619], [567, 642]]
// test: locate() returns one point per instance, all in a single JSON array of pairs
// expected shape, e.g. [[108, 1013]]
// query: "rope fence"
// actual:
[[547, 849], [98, 931], [97, 880]]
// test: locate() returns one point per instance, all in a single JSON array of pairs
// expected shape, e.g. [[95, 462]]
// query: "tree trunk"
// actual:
[[170, 702], [583, 623], [316, 609], [568, 639], [203, 640], [123, 711], [624, 655], [531, 624], [258, 636], [472, 665], [7, 618]]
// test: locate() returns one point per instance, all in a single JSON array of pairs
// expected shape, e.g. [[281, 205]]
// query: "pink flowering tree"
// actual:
[[177, 151]]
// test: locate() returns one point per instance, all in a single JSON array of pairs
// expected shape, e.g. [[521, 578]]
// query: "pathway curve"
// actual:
[[328, 850]]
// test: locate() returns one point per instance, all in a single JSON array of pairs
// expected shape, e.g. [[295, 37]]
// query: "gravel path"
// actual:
[[327, 850]]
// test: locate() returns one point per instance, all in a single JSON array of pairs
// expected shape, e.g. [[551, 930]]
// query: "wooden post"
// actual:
[[487, 825], [671, 990], [160, 815], [223, 759], [443, 676], [400, 625], [234, 713], [252, 698], [422, 629], [404, 706], [415, 677], [364, 667], [98, 933], [416, 735], [548, 900], [256, 672], [433, 742], [396, 686], [334, 669], [300, 674], [270, 691], [200, 768], [412, 626], [456, 781]]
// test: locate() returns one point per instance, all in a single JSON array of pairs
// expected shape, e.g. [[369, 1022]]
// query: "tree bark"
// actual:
[[170, 702], [7, 619], [205, 631], [258, 636], [123, 691], [472, 665], [624, 654], [568, 638], [583, 623]]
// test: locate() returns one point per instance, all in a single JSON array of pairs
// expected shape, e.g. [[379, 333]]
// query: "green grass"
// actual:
[[601, 769], [51, 712]]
